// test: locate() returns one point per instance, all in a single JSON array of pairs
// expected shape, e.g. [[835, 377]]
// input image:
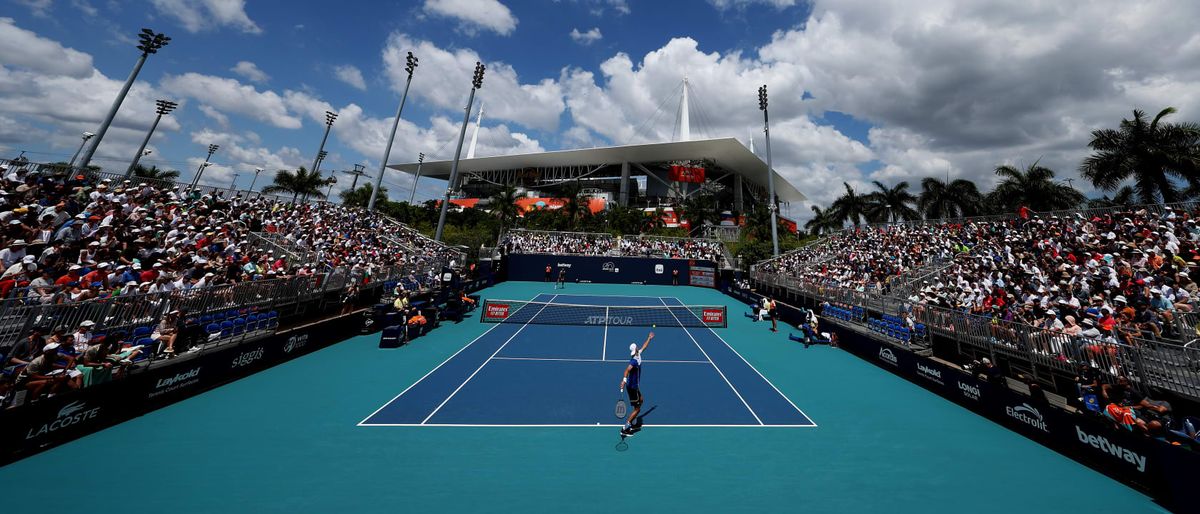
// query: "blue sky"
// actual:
[[861, 90]]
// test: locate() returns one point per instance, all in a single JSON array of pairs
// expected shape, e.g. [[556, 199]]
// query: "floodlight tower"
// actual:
[[762, 106], [164, 107], [476, 83], [410, 65], [149, 42]]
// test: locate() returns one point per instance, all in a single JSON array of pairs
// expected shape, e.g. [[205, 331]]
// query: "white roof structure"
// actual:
[[727, 153]]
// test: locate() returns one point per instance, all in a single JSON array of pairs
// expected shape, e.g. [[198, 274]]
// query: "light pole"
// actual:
[[329, 118], [233, 182], [413, 195], [331, 181], [476, 83], [359, 170], [256, 172], [762, 106], [148, 42], [200, 171], [164, 107], [320, 158], [86, 137], [387, 151]]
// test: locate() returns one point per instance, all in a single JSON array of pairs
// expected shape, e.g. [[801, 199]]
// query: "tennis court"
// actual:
[[559, 363], [288, 439]]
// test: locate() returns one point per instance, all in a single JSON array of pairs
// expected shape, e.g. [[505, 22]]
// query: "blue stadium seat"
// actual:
[[272, 320], [213, 330], [239, 326], [252, 323], [226, 328], [206, 319], [141, 332]]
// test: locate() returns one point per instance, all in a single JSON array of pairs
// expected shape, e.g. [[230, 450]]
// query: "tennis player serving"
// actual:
[[631, 382]]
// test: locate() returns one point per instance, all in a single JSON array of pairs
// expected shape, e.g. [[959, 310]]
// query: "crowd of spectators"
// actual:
[[1117, 276], [68, 237], [521, 241]]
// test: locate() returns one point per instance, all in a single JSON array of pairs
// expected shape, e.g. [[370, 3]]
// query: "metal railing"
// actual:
[[726, 233], [1149, 363]]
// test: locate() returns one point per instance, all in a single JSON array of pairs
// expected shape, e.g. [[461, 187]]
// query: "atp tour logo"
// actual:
[[295, 342], [969, 390], [609, 266], [609, 320], [658, 269], [1028, 415], [929, 373], [713, 315], [71, 414], [496, 311], [886, 355]]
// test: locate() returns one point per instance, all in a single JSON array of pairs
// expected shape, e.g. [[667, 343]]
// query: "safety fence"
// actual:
[[1148, 363], [640, 245]]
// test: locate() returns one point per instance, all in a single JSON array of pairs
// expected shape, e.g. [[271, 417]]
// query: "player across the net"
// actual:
[[549, 313]]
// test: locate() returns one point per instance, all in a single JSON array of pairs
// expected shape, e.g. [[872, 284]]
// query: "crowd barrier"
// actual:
[[1161, 470], [610, 270], [56, 420]]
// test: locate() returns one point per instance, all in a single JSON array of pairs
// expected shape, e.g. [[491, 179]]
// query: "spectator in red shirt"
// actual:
[[71, 276]]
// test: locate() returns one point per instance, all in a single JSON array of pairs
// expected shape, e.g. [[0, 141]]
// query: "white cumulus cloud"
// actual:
[[351, 75], [586, 38], [250, 71], [201, 15], [475, 14]]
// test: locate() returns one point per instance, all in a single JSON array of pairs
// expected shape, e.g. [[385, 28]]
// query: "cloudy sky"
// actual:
[[860, 90]]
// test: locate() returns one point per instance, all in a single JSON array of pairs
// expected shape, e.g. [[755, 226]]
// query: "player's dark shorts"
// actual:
[[635, 397]]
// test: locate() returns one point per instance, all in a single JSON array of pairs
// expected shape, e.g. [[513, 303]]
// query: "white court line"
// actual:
[[460, 386], [714, 365], [604, 349], [414, 384], [576, 425], [735, 352], [554, 359]]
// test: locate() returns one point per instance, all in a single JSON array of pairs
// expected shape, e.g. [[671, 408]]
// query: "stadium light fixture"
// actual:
[[212, 149], [410, 66], [476, 83], [86, 137], [256, 172], [762, 106], [330, 117], [420, 160], [149, 42], [164, 107]]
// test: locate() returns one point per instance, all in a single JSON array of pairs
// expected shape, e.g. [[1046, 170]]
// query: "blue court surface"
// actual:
[[289, 440], [563, 375]]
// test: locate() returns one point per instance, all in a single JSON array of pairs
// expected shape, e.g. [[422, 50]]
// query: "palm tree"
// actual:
[[1125, 197], [1156, 155], [700, 209], [956, 199], [891, 204], [1035, 188], [504, 205], [851, 206], [359, 197], [575, 204], [822, 221], [154, 173], [302, 182]]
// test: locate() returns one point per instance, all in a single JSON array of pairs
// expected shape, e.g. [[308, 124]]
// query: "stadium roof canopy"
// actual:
[[727, 153]]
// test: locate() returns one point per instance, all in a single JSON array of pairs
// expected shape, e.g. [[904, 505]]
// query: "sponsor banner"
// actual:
[[693, 174], [1147, 464], [714, 316], [32, 428], [610, 270], [703, 276], [496, 311]]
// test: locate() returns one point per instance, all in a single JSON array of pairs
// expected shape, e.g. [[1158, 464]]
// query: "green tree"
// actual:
[[1125, 197], [891, 203], [154, 173], [1155, 154], [939, 200], [503, 205], [823, 221], [699, 209], [1035, 188], [851, 206], [359, 197], [300, 182]]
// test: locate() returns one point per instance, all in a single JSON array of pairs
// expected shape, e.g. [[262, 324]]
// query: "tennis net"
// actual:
[[546, 313]]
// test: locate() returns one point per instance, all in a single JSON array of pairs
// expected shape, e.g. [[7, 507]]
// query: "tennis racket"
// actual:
[[619, 411]]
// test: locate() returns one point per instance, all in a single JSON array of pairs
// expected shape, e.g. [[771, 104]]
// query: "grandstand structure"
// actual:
[[671, 171], [237, 265], [1015, 289]]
